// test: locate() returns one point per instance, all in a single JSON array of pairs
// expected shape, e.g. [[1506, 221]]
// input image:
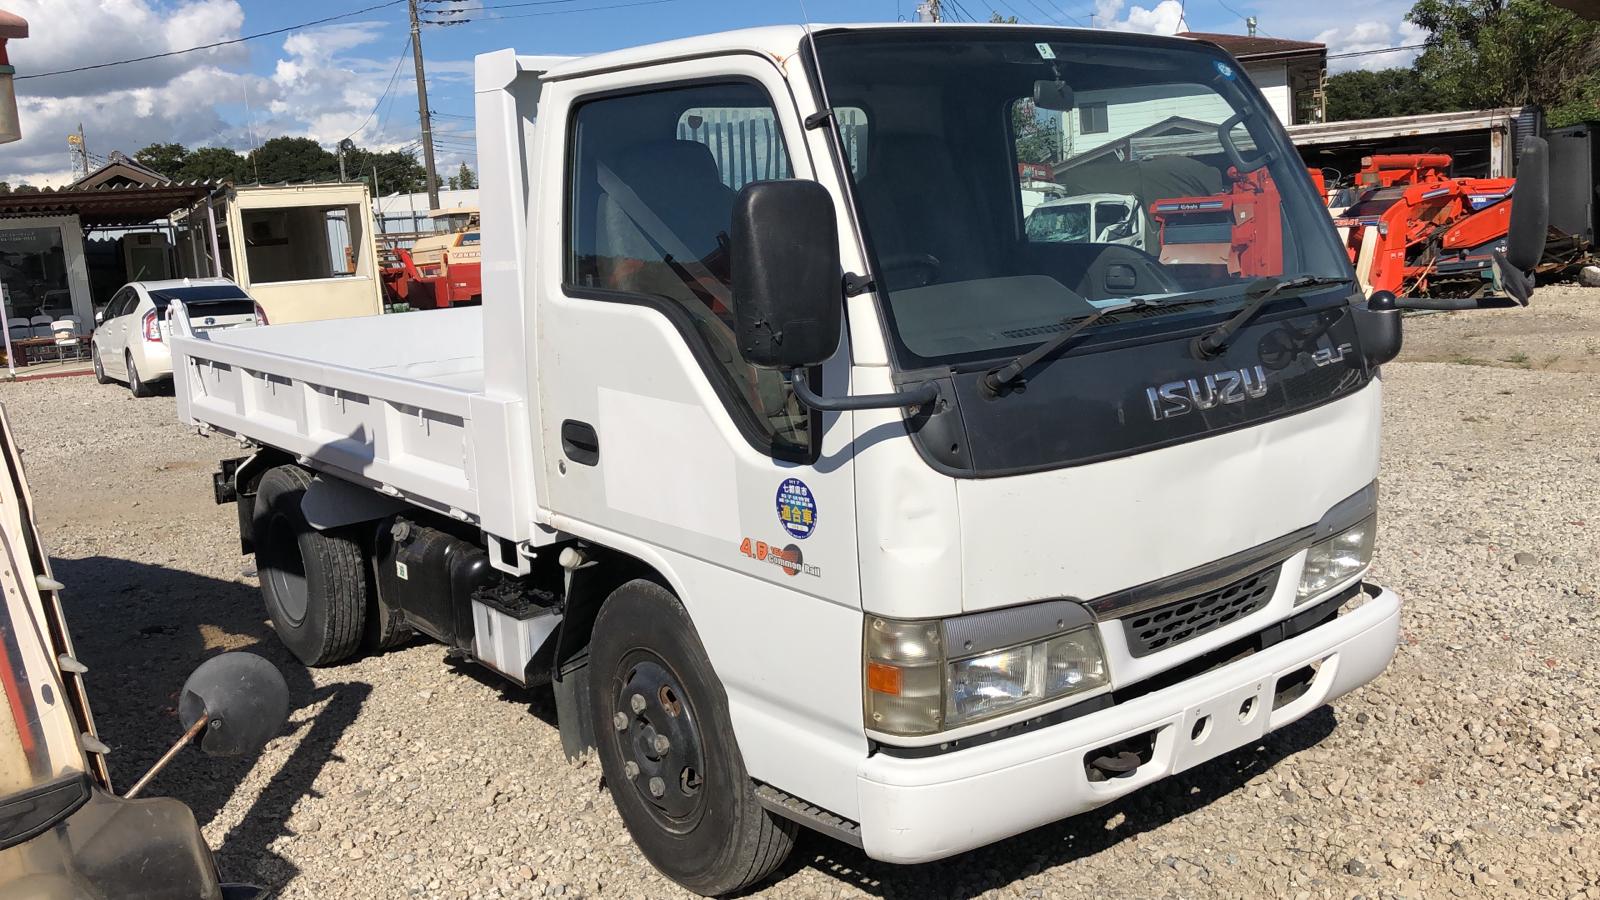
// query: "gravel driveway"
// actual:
[[1469, 769]]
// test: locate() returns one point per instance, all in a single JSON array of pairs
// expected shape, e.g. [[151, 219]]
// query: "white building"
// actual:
[[1289, 73], [404, 213]]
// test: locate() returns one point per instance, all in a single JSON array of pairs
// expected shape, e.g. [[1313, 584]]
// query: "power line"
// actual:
[[1078, 19], [237, 40], [562, 12], [960, 10], [1351, 53], [1014, 14], [388, 87], [497, 5]]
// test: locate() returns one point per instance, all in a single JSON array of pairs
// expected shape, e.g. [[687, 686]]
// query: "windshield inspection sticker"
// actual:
[[1045, 52], [797, 508]]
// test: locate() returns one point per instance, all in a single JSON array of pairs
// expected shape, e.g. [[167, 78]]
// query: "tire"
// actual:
[[137, 385], [100, 375], [706, 831], [314, 583]]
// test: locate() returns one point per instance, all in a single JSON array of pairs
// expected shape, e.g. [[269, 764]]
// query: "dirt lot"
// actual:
[[1469, 769]]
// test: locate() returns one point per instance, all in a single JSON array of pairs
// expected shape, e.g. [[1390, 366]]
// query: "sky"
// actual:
[[354, 77]]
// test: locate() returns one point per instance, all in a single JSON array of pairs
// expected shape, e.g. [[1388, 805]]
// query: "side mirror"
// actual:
[[788, 290], [243, 698], [786, 280], [231, 706], [1378, 327], [1530, 206]]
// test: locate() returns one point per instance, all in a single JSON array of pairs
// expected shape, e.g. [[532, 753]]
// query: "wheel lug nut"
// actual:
[[657, 787], [621, 721], [637, 702], [661, 743], [630, 769]]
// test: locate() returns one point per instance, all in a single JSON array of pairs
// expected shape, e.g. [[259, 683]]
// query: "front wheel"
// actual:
[[668, 751]]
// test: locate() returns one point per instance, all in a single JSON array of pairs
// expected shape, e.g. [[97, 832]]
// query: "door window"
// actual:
[[654, 180]]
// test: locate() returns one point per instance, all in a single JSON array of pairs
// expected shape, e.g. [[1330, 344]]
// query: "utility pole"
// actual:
[[928, 11], [377, 198], [80, 153], [422, 109]]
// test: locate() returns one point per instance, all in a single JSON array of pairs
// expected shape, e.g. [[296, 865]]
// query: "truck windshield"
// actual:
[[1174, 178]]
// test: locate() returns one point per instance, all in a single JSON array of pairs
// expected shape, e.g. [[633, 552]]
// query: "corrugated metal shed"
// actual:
[[109, 206]]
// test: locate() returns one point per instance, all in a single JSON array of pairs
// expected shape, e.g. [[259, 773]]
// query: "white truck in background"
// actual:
[[816, 491]]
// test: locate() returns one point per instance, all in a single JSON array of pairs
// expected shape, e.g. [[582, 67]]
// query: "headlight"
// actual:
[[1337, 559], [912, 689]]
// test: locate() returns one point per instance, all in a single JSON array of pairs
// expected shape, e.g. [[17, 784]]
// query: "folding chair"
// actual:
[[40, 326], [66, 334]]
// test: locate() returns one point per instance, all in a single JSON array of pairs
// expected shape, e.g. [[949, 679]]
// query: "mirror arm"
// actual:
[[167, 757], [1454, 304], [920, 395]]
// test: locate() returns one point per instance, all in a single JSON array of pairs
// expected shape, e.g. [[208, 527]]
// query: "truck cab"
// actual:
[[820, 493]]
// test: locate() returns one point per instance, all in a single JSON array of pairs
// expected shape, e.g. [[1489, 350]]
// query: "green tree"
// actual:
[[1487, 53], [5, 187], [295, 160], [1374, 95], [168, 159], [466, 179], [214, 164]]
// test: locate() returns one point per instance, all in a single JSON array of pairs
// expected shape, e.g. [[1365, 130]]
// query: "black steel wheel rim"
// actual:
[[657, 736], [286, 569]]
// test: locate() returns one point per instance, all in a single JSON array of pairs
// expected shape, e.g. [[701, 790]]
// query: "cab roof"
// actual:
[[779, 42]]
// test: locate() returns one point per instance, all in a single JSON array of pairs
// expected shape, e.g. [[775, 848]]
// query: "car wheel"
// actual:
[[136, 385], [668, 751], [314, 583], [99, 367]]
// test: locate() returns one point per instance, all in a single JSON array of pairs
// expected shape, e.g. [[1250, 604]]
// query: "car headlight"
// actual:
[[1337, 559], [912, 689]]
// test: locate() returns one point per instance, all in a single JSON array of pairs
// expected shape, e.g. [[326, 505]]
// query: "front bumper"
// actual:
[[916, 810]]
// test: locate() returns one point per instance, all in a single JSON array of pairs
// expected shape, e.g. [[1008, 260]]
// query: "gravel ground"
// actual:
[[1469, 769]]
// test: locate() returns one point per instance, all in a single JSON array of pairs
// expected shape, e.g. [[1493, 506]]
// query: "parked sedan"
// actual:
[[130, 336]]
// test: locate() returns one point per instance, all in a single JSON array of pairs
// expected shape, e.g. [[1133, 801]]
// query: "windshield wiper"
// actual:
[[999, 378], [1213, 342]]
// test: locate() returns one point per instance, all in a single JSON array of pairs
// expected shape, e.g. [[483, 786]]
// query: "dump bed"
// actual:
[[396, 403]]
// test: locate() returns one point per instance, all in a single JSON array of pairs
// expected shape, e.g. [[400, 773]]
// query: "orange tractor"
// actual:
[[1416, 231], [440, 270]]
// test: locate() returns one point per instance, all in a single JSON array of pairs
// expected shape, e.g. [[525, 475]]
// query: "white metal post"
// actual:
[[5, 314]]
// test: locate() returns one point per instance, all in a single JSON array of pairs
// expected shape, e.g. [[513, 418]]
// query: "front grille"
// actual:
[[1181, 620]]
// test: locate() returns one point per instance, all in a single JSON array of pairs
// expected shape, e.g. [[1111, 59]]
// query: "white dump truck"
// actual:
[[819, 494]]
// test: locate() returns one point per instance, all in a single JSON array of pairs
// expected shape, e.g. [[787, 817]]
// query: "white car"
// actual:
[[1090, 218], [130, 335]]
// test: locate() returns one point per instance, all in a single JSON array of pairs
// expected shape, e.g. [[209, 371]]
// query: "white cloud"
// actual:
[[322, 83], [1165, 17], [1371, 35]]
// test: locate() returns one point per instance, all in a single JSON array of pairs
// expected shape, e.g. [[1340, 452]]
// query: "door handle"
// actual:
[[580, 442]]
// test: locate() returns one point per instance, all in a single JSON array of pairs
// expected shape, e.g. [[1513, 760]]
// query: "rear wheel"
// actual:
[[668, 751], [99, 367], [136, 385], [314, 583]]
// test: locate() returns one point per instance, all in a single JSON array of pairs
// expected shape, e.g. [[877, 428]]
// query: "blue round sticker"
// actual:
[[797, 508], [1223, 69]]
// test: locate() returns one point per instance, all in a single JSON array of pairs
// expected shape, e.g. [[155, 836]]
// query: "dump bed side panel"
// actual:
[[416, 435]]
